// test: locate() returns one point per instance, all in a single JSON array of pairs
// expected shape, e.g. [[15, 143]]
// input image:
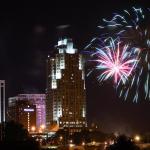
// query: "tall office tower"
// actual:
[[2, 101], [35, 99], [65, 93], [23, 112]]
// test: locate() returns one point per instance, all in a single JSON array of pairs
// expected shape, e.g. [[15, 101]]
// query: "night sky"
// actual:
[[28, 33]]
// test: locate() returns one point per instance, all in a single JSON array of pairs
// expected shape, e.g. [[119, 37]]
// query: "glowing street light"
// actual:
[[93, 142], [70, 141], [42, 126], [83, 143], [33, 128], [71, 145], [60, 138], [40, 131], [137, 138]]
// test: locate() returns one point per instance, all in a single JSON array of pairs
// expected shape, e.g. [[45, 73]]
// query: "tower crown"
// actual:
[[66, 46]]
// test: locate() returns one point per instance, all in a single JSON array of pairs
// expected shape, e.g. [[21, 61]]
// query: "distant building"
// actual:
[[2, 101], [23, 112], [65, 93], [35, 99]]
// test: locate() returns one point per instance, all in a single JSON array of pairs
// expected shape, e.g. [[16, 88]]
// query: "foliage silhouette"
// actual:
[[123, 143]]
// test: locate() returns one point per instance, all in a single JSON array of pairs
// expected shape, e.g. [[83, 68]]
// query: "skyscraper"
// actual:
[[2, 101], [24, 112], [34, 99], [65, 93]]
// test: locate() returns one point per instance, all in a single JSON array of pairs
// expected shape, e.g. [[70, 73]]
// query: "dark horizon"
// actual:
[[28, 33]]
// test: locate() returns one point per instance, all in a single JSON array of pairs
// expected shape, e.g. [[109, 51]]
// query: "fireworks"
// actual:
[[115, 60], [132, 28]]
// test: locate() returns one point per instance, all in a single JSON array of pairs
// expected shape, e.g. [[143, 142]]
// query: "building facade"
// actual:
[[23, 112], [65, 93], [35, 99], [2, 101]]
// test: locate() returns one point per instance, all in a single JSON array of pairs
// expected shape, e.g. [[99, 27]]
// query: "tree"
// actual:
[[123, 143], [15, 132], [16, 137]]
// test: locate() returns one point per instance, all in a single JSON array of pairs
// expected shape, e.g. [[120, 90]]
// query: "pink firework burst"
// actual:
[[116, 61]]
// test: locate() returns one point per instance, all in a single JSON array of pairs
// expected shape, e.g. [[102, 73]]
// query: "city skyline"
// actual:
[[29, 34]]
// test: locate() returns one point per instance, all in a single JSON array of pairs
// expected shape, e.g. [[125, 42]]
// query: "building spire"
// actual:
[[63, 31]]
